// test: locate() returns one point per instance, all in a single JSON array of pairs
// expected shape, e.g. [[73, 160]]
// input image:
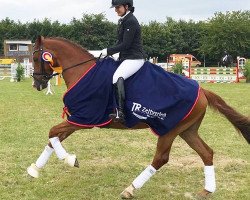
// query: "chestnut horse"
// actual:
[[56, 54]]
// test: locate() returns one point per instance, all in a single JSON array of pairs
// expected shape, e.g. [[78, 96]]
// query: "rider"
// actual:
[[129, 46], [225, 56]]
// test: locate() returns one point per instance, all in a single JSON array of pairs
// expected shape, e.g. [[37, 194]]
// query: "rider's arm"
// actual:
[[129, 31]]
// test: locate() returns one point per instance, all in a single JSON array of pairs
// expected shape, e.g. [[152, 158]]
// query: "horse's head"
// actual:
[[62, 56], [44, 62]]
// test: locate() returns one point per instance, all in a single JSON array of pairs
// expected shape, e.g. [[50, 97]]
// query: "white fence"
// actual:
[[10, 71], [165, 66]]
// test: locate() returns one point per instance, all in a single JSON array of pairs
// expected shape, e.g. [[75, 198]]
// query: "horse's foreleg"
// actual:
[[61, 153], [59, 133], [33, 169], [56, 135], [161, 157]]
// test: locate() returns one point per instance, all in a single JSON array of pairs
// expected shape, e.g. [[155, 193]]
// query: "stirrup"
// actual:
[[118, 116]]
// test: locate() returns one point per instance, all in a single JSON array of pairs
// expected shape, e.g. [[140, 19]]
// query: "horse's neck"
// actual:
[[72, 75], [68, 56]]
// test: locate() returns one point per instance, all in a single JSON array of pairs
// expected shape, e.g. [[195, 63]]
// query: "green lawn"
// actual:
[[111, 159]]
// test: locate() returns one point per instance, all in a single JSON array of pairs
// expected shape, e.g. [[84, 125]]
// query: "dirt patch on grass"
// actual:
[[194, 161]]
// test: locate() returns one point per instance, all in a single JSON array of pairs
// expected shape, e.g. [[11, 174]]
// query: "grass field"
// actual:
[[110, 159]]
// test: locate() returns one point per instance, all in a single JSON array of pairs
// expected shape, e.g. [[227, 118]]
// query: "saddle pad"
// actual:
[[158, 98]]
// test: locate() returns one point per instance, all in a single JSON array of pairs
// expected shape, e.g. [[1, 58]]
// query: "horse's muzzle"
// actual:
[[39, 86]]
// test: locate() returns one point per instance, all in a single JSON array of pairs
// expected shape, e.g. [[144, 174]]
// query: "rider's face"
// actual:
[[121, 10]]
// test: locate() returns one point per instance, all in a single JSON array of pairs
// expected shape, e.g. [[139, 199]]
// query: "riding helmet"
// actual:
[[121, 2]]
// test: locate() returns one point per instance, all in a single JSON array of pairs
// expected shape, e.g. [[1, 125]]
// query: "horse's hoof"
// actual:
[[33, 171], [204, 194], [71, 160], [128, 193], [76, 163]]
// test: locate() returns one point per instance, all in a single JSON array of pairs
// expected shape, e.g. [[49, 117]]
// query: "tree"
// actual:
[[184, 36], [162, 39], [155, 40], [19, 72], [93, 31], [230, 31], [247, 71], [6, 27]]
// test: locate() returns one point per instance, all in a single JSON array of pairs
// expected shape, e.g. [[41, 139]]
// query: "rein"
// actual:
[[76, 65]]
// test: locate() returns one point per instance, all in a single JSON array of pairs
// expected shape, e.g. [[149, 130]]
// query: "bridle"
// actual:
[[45, 76], [58, 69]]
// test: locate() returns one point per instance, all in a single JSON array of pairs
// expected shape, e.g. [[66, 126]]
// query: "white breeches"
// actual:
[[127, 68]]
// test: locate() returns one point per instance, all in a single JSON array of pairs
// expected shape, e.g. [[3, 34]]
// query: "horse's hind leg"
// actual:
[[205, 152], [164, 145], [161, 157], [57, 134]]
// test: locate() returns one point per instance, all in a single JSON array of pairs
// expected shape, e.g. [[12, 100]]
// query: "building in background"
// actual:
[[16, 52], [20, 50]]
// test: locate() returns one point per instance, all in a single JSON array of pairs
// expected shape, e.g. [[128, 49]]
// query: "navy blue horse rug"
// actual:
[[153, 96]]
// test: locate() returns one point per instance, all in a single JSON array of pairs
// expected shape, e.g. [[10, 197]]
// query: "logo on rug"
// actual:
[[142, 112]]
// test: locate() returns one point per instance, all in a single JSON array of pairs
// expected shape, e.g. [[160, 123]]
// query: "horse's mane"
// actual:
[[71, 43]]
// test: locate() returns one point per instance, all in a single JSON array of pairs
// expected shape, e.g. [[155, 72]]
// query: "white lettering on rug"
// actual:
[[142, 112]]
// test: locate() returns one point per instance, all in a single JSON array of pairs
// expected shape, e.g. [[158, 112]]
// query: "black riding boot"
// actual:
[[118, 116]]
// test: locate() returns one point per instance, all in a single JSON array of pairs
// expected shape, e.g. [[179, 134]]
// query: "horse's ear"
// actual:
[[39, 40]]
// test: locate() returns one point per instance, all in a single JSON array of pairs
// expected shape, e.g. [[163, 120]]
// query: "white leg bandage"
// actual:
[[144, 177], [210, 184], [44, 157], [60, 151]]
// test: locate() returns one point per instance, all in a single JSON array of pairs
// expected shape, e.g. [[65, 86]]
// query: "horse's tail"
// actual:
[[240, 122]]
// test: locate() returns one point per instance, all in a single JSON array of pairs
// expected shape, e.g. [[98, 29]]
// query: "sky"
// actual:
[[145, 10]]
